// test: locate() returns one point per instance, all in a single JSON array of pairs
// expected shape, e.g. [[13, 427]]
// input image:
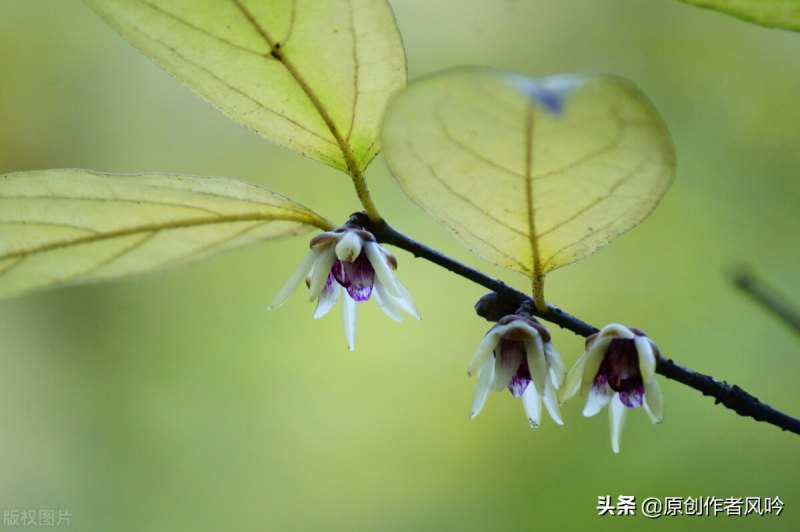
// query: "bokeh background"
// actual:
[[178, 402]]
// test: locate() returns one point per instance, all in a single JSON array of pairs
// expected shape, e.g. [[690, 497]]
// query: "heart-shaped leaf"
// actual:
[[59, 226], [312, 76], [529, 174], [783, 14]]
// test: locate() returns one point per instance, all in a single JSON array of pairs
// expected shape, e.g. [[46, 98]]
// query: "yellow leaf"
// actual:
[[529, 174], [313, 76], [783, 14], [59, 226]]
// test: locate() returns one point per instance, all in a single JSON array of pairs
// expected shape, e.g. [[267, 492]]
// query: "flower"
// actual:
[[349, 260], [619, 368], [524, 361]]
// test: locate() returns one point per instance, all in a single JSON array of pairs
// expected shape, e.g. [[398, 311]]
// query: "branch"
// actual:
[[505, 300], [730, 396], [768, 297]]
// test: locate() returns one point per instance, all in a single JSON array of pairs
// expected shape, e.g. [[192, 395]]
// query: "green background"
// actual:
[[178, 402]]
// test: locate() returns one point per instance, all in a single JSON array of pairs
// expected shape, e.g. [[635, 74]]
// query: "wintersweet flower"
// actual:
[[618, 368], [349, 260], [522, 360]]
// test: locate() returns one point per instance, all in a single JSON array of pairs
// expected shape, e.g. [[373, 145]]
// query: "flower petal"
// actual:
[[506, 363], [616, 415], [386, 303], [599, 396], [328, 297], [654, 401], [295, 279], [574, 379], [322, 268], [558, 370], [404, 301], [517, 385], [633, 398], [349, 313], [485, 377], [485, 348], [647, 358], [615, 330], [532, 404], [382, 269], [358, 277], [349, 246], [551, 403], [537, 363], [594, 357], [517, 329]]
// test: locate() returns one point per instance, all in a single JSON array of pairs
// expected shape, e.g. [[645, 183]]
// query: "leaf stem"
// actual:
[[360, 182], [505, 300]]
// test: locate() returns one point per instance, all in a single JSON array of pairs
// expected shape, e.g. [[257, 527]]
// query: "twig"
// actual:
[[769, 298], [505, 300], [730, 396]]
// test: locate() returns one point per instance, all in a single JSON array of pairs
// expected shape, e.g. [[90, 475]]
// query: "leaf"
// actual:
[[782, 14], [308, 75], [529, 174], [59, 226]]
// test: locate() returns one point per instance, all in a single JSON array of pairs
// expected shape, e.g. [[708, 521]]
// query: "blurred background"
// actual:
[[178, 402]]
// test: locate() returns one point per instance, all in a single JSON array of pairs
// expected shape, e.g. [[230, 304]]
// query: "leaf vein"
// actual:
[[533, 238], [211, 245], [597, 201], [462, 197], [216, 37], [355, 72], [146, 237], [481, 212], [15, 261], [176, 224], [292, 18], [114, 200], [48, 223], [268, 56], [594, 204], [469, 149], [343, 145]]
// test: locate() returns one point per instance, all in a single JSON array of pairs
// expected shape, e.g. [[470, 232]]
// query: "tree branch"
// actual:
[[505, 300], [769, 298]]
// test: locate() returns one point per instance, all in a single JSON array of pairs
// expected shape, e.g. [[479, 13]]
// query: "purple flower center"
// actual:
[[513, 352], [620, 370], [357, 277]]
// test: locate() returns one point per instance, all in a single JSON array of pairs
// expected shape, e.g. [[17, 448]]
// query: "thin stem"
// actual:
[[360, 182], [505, 300], [769, 298]]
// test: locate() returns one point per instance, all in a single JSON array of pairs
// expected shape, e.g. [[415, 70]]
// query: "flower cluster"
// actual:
[[349, 260], [522, 360], [617, 368]]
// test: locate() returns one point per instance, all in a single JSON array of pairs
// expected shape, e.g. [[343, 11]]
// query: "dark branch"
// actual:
[[731, 396], [506, 300], [768, 297], [513, 298]]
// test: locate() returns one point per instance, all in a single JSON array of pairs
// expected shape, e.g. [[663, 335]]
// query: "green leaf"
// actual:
[[59, 226], [312, 76], [529, 174], [783, 14]]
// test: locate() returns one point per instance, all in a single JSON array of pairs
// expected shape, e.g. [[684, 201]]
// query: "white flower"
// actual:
[[349, 260], [619, 368], [524, 361]]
